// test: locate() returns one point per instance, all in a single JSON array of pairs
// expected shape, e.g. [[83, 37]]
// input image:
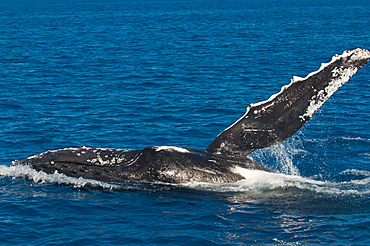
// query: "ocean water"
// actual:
[[131, 74]]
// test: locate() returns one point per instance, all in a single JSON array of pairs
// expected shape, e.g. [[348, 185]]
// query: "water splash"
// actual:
[[26, 172], [282, 155]]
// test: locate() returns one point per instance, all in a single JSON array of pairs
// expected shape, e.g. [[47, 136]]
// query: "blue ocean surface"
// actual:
[[131, 74]]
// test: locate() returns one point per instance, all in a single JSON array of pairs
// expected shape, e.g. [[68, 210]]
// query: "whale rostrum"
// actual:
[[264, 124]]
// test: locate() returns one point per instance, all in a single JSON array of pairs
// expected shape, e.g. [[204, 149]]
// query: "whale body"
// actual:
[[264, 124]]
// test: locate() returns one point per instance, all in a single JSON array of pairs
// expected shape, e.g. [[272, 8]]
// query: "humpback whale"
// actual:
[[264, 124]]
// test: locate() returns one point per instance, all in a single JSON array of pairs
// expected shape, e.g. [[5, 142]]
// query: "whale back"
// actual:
[[283, 114]]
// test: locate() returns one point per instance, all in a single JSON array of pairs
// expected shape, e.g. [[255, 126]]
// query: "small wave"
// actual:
[[356, 139], [356, 172], [366, 155]]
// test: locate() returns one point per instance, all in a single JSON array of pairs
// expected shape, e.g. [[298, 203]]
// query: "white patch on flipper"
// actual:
[[355, 55], [340, 77], [257, 130], [172, 148], [295, 79]]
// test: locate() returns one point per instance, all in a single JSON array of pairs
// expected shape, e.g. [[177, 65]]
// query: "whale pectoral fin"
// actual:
[[273, 121]]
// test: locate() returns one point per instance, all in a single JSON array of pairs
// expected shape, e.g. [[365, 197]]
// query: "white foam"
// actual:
[[356, 172], [23, 171], [270, 180], [255, 181], [260, 182]]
